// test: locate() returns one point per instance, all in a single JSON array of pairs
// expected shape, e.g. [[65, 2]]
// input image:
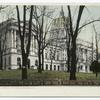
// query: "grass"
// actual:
[[33, 74], [48, 75], [10, 74], [87, 76]]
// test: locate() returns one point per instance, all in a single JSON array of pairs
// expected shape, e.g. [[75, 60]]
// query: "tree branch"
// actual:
[[81, 8], [71, 24], [18, 17], [88, 24]]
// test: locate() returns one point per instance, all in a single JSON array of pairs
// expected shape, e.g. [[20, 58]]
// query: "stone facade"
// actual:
[[10, 45]]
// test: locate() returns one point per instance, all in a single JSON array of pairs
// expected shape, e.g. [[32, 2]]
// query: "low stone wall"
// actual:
[[7, 82]]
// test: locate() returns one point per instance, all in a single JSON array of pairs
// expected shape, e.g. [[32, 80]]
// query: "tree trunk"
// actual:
[[96, 74], [39, 59], [42, 60], [25, 51], [73, 61], [68, 53], [51, 63], [39, 67], [68, 70], [0, 56], [74, 34], [24, 67], [1, 61]]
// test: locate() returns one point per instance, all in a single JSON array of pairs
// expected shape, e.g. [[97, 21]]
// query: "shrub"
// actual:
[[95, 67]]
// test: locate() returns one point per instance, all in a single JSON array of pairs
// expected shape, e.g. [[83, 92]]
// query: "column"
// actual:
[[33, 42], [11, 38], [14, 38]]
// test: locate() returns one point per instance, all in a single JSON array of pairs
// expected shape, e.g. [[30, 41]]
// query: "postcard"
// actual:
[[49, 49]]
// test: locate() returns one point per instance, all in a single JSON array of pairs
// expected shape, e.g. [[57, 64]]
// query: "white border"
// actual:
[[50, 2], [50, 91]]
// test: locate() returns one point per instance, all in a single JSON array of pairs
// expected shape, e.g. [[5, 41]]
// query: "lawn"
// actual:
[[33, 74]]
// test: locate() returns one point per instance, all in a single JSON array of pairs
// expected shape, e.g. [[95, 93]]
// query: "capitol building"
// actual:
[[55, 54]]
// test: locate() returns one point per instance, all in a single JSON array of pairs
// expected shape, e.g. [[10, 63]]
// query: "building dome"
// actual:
[[59, 22]]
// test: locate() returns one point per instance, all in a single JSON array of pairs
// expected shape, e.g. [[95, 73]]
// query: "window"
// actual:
[[13, 39], [45, 55], [50, 67], [82, 59], [34, 42], [85, 51], [86, 68], [54, 57], [46, 66], [81, 67], [19, 62], [81, 49], [36, 62], [58, 68], [57, 57], [54, 67]]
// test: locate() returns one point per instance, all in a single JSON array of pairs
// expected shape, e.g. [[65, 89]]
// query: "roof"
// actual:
[[59, 22], [11, 23]]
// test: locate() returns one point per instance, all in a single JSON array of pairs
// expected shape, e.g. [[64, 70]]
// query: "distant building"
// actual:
[[55, 55], [85, 52]]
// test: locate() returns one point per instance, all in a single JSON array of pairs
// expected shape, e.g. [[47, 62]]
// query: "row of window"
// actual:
[[81, 68], [55, 67], [83, 50], [52, 56], [36, 63]]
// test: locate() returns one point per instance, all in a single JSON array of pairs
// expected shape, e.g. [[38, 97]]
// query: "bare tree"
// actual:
[[3, 35], [24, 35], [41, 26], [74, 33], [72, 40], [96, 42], [96, 45]]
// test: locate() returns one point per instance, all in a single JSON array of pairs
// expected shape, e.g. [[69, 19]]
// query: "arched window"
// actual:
[[58, 68], [81, 67], [35, 42], [86, 68], [19, 62], [54, 67], [57, 56], [50, 67], [45, 55], [85, 51], [46, 66], [36, 62]]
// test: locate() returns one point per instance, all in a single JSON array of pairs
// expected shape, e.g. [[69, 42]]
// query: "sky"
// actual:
[[89, 13]]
